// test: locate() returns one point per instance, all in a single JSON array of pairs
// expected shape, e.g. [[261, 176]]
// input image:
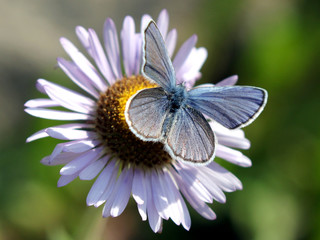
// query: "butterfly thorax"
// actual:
[[177, 98]]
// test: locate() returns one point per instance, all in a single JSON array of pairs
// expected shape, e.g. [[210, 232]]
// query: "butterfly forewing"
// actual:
[[157, 65], [190, 138], [232, 106], [146, 112]]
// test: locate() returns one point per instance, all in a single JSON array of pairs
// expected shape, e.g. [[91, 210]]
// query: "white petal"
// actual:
[[100, 57], [78, 77], [233, 156], [139, 191], [100, 184], [82, 62], [112, 47], [123, 191], [41, 103], [81, 162], [69, 134], [56, 114], [93, 169], [184, 52], [128, 45]]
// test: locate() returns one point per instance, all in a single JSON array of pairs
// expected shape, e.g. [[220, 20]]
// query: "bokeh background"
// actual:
[[272, 44]]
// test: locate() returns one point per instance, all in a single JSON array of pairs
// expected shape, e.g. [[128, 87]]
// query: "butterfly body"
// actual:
[[174, 116]]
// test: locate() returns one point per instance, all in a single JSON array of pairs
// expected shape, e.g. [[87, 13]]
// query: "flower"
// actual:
[[98, 143]]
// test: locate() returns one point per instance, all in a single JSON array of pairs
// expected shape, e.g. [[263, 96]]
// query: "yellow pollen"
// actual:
[[114, 132]]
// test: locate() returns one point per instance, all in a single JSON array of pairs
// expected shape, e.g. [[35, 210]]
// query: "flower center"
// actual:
[[114, 132]]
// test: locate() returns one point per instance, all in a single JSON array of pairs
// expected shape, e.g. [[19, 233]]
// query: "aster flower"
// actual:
[[98, 143]]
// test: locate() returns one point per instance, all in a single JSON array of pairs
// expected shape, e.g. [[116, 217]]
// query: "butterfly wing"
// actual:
[[190, 138], [146, 112], [157, 65], [231, 106]]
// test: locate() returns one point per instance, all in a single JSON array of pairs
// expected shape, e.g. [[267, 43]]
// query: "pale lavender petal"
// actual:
[[68, 98], [111, 43], [139, 191], [171, 41], [221, 174], [79, 146], [62, 158], [128, 45], [230, 81], [64, 180], [77, 76], [122, 192], [194, 185], [142, 209], [82, 62], [81, 162], [144, 22], [158, 195], [235, 142], [189, 71], [233, 156], [100, 184], [69, 134], [41, 103], [219, 129], [174, 202], [163, 22], [184, 52], [209, 183], [91, 171], [138, 55], [83, 36], [107, 194], [155, 220], [42, 133], [181, 205], [100, 57], [57, 115], [200, 206]]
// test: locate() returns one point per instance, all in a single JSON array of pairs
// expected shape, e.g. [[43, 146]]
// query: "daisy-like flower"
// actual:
[[99, 144]]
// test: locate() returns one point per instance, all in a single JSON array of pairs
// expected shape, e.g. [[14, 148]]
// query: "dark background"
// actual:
[[271, 44]]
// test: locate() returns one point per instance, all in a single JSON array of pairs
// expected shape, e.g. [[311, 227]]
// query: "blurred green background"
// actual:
[[272, 44]]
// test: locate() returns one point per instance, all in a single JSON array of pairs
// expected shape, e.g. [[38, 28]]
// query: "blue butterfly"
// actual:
[[174, 116]]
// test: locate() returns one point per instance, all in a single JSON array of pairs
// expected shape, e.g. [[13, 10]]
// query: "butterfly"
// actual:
[[177, 117]]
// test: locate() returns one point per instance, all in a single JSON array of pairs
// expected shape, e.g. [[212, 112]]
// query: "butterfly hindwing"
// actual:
[[231, 106], [157, 65], [190, 138], [145, 113]]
